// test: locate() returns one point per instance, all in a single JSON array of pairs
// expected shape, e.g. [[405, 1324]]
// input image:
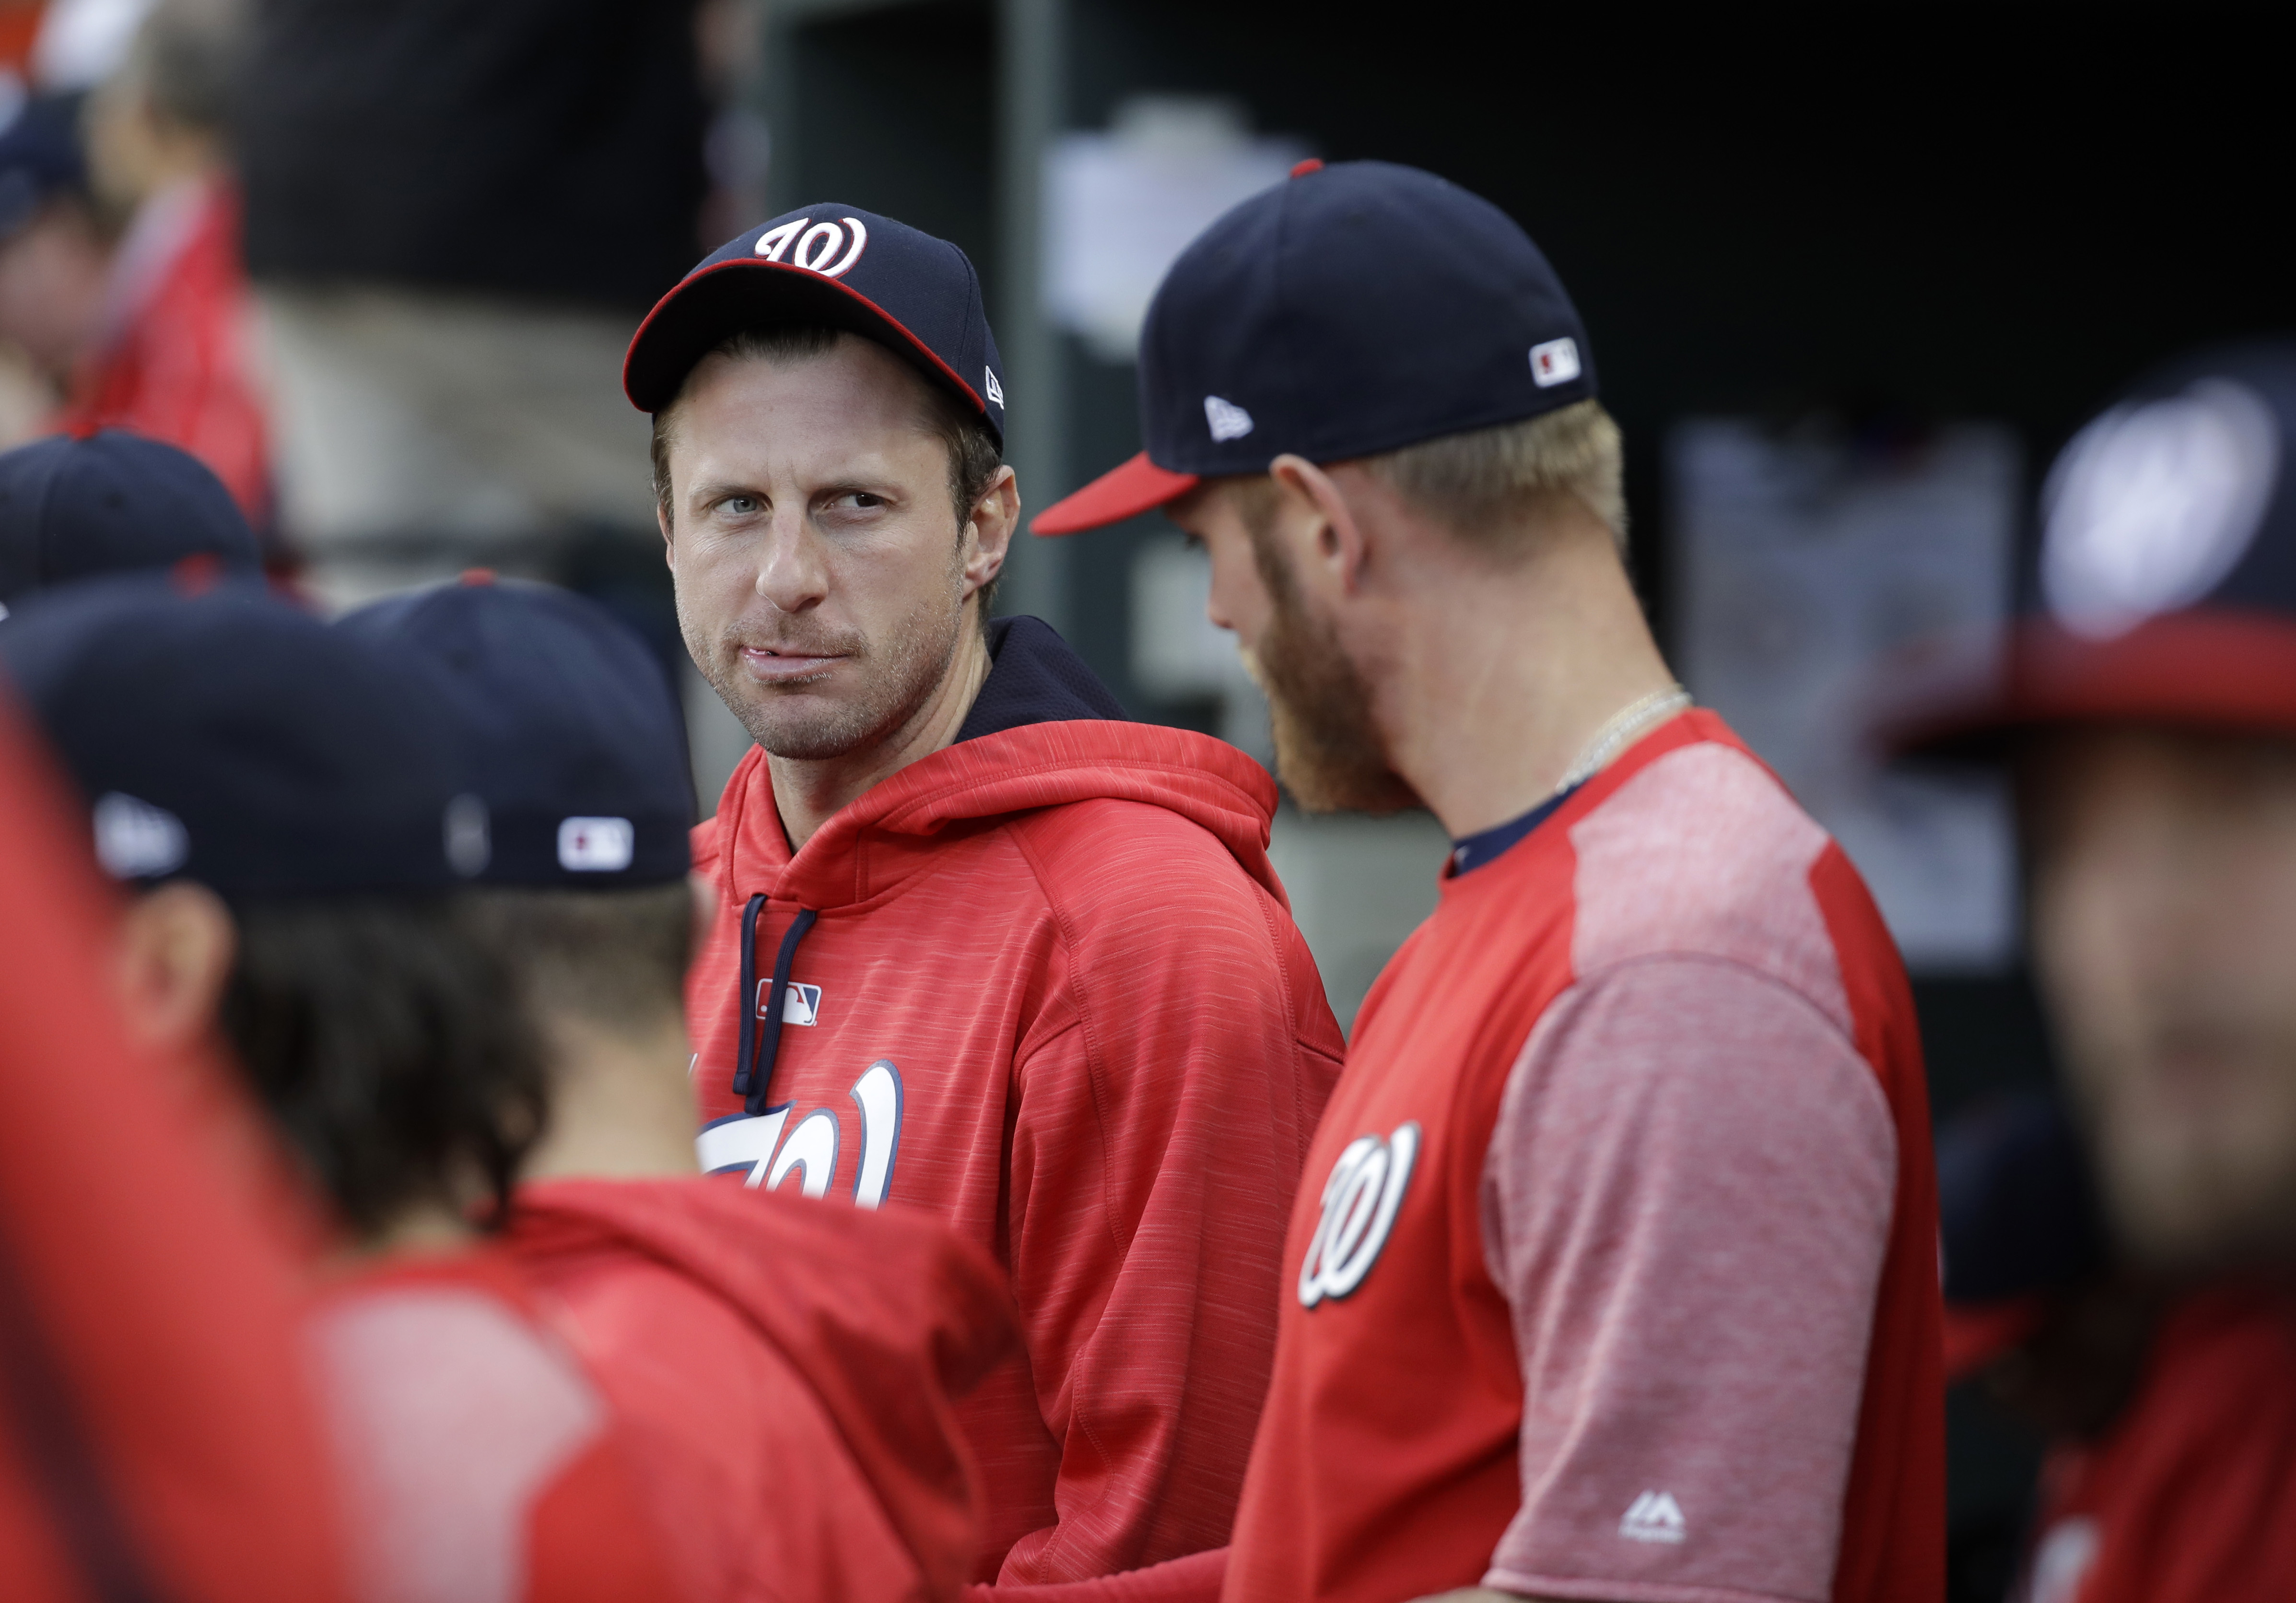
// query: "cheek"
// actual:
[[1239, 599]]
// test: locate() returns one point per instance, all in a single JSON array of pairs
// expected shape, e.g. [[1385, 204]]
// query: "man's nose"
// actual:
[[792, 571]]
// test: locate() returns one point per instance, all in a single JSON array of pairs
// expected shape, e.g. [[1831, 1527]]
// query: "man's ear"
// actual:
[[1315, 508], [177, 947], [668, 538], [988, 534]]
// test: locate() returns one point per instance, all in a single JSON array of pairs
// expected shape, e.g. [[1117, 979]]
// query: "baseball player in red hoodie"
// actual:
[[1614, 1275], [983, 947], [793, 1430]]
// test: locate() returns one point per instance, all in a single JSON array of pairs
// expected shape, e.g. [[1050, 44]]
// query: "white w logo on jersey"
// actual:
[[1360, 1201]]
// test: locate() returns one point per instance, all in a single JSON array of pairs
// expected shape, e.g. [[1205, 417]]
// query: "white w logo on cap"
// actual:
[[817, 246]]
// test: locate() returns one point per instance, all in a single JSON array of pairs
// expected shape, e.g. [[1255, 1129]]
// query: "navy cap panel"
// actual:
[[73, 508], [231, 739], [854, 269], [2182, 494], [1354, 310], [565, 727]]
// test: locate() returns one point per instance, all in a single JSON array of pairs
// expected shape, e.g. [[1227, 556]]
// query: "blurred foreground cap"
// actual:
[[2162, 585], [571, 734], [1357, 307], [228, 738], [110, 502], [40, 156], [916, 295], [2018, 1220]]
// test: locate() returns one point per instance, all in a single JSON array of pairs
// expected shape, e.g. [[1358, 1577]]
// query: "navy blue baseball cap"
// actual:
[[569, 731], [40, 157], [915, 295], [230, 738], [1358, 308], [72, 506], [2159, 584]]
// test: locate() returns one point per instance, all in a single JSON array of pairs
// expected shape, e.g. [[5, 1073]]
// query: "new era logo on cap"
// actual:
[[596, 845], [134, 840], [1229, 421]]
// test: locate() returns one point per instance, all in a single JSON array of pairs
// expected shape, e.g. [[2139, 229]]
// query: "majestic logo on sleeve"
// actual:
[[1654, 1517], [1360, 1201]]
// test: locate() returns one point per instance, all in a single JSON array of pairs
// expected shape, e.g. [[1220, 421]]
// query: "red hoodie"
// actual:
[[1045, 983], [794, 1427]]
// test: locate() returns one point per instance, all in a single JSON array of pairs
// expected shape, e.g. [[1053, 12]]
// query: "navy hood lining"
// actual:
[[1035, 677]]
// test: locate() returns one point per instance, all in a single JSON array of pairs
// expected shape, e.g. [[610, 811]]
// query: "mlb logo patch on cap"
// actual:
[[1556, 362], [596, 845]]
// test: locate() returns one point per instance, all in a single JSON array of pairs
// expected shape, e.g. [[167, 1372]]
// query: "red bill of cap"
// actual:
[[2206, 667], [1976, 1334], [1123, 492]]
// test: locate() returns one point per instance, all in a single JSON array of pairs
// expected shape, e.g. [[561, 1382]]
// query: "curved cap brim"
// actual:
[[2209, 668], [1123, 492]]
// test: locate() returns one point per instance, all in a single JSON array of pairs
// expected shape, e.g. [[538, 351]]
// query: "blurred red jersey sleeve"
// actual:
[[155, 1436]]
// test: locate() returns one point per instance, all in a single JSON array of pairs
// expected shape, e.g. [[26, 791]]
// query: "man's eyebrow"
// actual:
[[709, 489]]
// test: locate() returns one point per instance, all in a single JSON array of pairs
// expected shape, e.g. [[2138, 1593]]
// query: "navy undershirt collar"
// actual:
[[1485, 847]]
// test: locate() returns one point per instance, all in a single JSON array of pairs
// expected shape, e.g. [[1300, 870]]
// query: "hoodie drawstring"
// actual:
[[753, 1070]]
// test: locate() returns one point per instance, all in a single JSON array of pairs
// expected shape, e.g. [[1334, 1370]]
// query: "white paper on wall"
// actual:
[[1811, 568], [1121, 206]]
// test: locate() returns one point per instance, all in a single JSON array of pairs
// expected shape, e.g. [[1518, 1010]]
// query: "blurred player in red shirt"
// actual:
[[784, 1371], [1613, 1273], [280, 798], [171, 356], [156, 1439], [2148, 707]]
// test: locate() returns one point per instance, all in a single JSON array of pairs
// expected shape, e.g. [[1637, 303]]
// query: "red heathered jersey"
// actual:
[[155, 1440], [1402, 1452], [2191, 1496], [479, 1461], [1055, 995], [793, 1430]]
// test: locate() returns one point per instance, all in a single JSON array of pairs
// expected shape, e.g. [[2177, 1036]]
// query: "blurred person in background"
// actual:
[[171, 356], [156, 1440], [2147, 708], [279, 800], [55, 252], [1613, 1273], [74, 507], [981, 946], [793, 1424], [453, 213]]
